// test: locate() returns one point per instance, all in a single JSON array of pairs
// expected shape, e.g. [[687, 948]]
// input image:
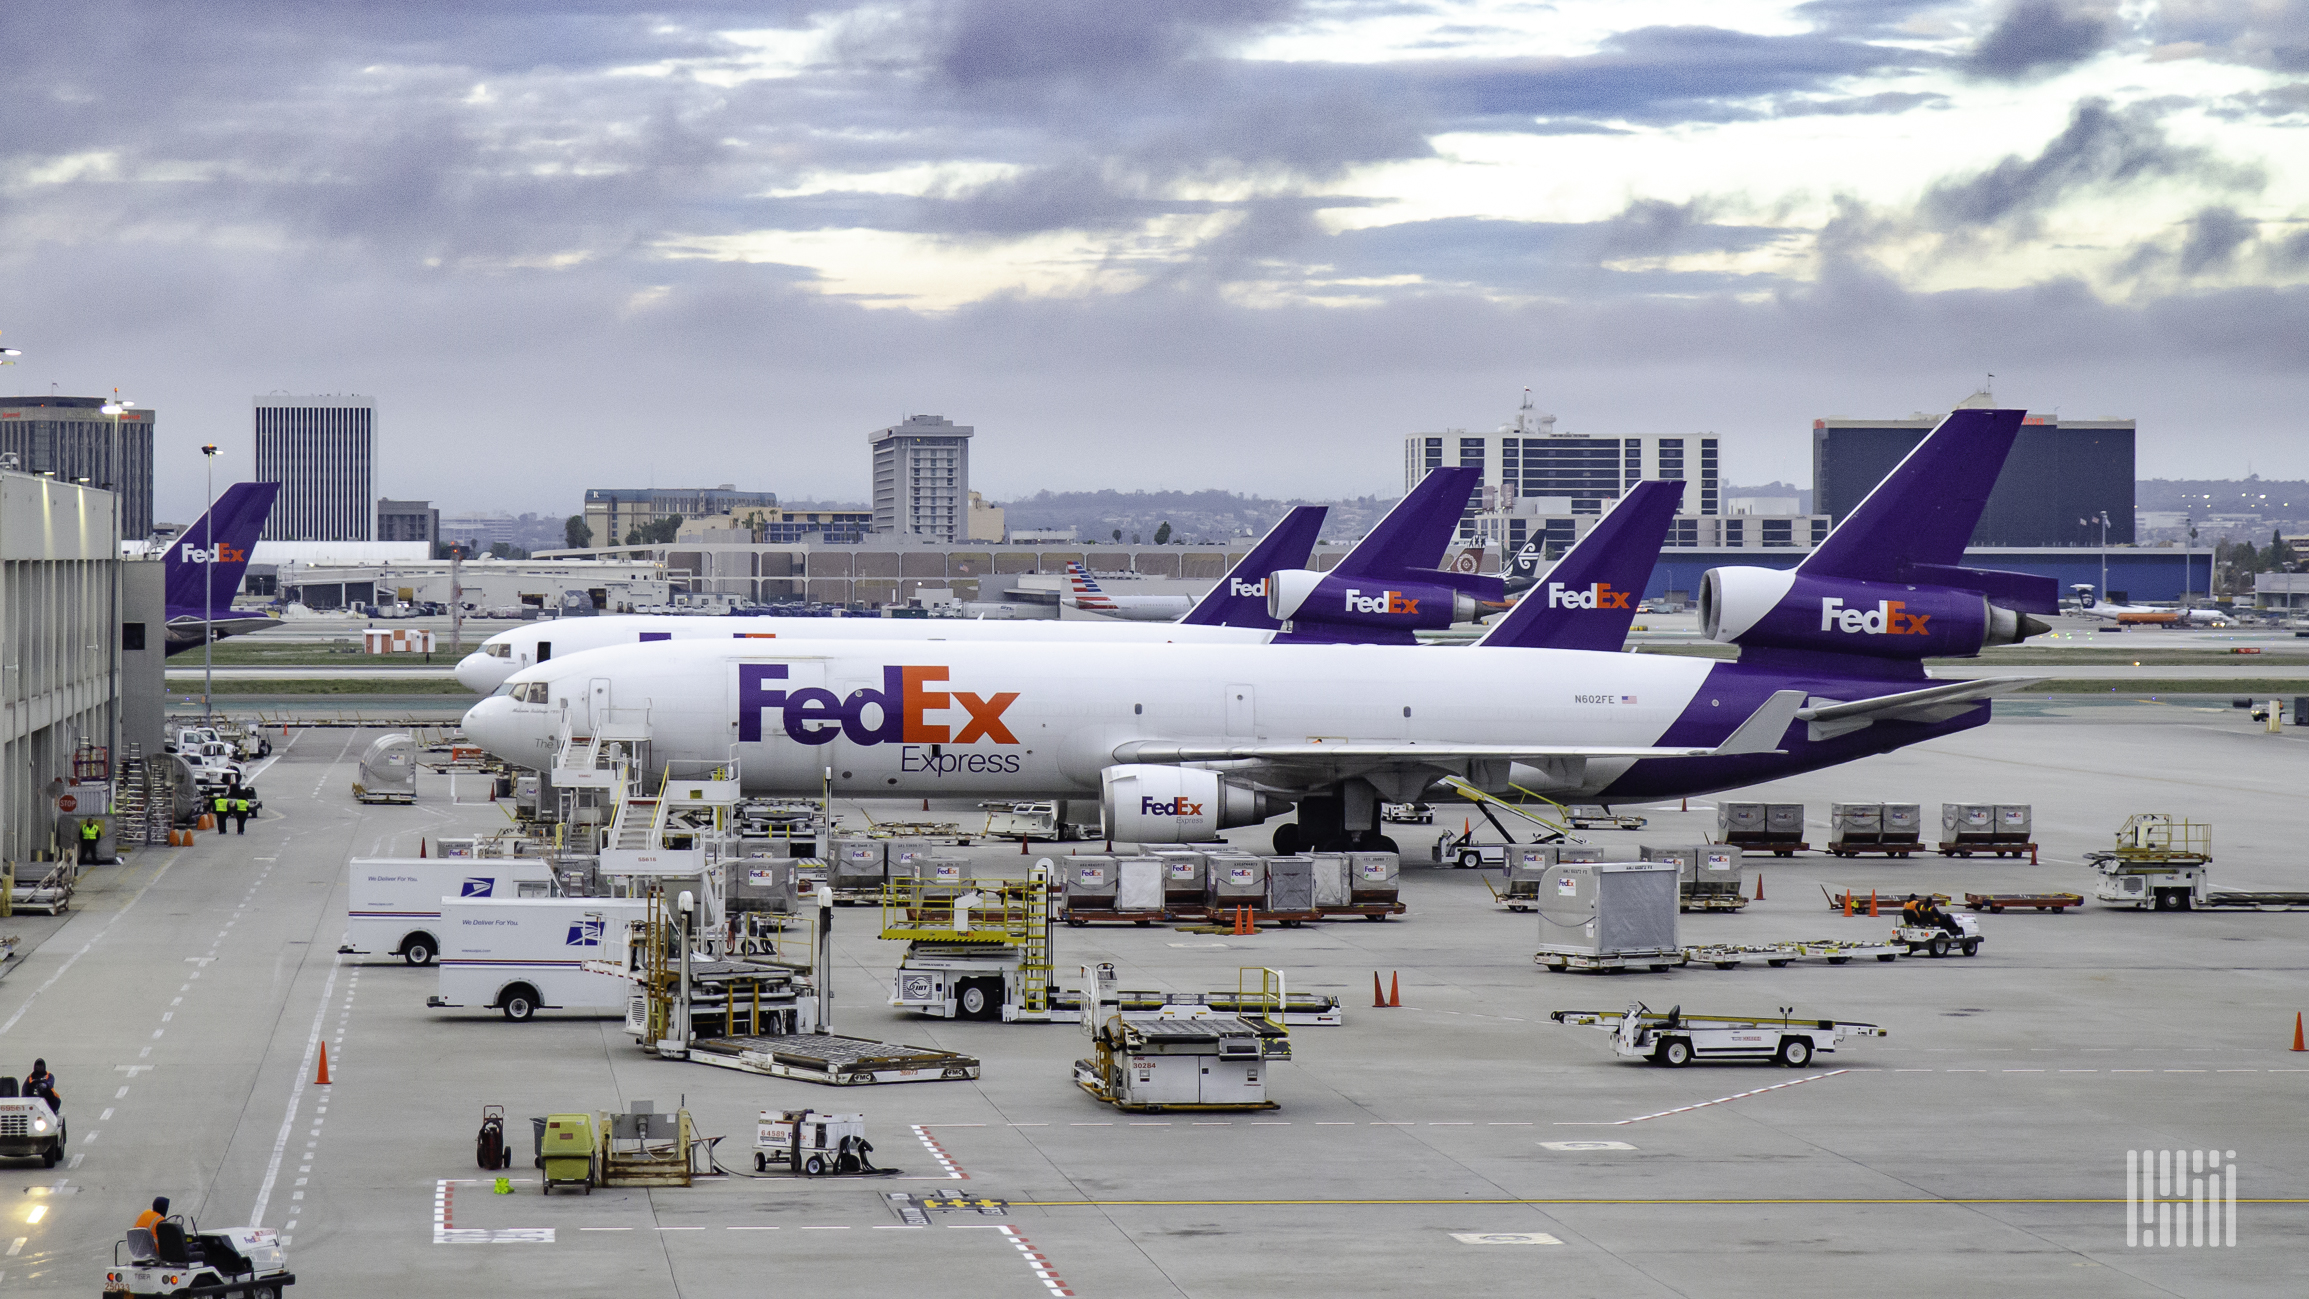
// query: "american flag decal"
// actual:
[[1627, 699]]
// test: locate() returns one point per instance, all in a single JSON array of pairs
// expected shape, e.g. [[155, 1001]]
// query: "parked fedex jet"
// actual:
[[1388, 588], [205, 566], [1181, 741], [1083, 592], [1232, 612]]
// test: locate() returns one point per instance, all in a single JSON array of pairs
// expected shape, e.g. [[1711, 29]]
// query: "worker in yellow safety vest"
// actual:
[[223, 810], [91, 830], [241, 810]]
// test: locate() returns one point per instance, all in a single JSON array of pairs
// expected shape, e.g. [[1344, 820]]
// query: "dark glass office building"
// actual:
[[71, 438], [2059, 471]]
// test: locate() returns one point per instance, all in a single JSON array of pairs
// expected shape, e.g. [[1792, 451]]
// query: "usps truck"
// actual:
[[523, 955], [393, 904]]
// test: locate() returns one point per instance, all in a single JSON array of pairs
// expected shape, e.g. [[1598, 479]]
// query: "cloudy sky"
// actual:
[[1181, 243]]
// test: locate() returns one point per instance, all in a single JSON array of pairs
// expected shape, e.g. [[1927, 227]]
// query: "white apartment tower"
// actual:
[[323, 453], [922, 478]]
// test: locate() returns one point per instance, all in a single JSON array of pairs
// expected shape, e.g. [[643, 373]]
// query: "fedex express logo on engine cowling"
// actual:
[[1598, 595], [1888, 618], [901, 709], [1168, 807], [1382, 602]]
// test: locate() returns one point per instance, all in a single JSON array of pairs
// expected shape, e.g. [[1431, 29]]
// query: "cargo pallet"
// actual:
[[1711, 902], [1725, 956], [1864, 849], [2239, 901], [1078, 918], [1656, 962], [833, 1059], [2054, 902], [1976, 847], [1857, 903], [1776, 847]]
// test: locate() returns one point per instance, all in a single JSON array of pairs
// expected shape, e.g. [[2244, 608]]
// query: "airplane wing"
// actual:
[[1828, 718], [1759, 734]]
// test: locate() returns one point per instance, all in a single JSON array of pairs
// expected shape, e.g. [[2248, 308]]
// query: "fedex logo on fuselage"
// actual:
[[1888, 618], [1383, 602], [1257, 590], [213, 555], [901, 708], [1170, 807], [1598, 595]]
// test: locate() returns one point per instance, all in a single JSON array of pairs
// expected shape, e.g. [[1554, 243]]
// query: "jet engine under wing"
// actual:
[[1828, 718], [1759, 734]]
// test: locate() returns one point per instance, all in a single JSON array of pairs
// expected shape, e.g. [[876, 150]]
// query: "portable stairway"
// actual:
[[132, 805], [594, 772]]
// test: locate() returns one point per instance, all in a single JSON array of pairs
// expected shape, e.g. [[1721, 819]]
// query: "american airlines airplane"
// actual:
[[1181, 741], [1084, 592]]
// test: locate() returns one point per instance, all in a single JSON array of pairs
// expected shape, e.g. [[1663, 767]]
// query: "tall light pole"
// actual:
[[208, 589], [115, 408]]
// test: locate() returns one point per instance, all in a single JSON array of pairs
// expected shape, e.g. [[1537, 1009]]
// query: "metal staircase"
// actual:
[[131, 801]]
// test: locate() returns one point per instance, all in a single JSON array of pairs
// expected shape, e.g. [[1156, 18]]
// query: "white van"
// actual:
[[523, 955], [393, 904]]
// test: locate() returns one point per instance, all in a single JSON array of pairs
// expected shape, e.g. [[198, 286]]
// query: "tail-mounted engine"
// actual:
[[1310, 601], [1769, 608]]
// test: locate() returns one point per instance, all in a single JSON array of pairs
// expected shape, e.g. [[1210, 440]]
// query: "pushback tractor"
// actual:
[[1675, 1039]]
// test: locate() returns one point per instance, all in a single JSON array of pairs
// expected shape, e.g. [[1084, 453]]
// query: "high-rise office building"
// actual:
[[323, 453], [73, 440], [922, 478], [1536, 481], [613, 513], [2060, 473]]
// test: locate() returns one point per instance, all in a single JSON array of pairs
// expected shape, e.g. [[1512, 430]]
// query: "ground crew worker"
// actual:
[[1912, 912], [153, 1216], [223, 810], [241, 811], [42, 1084], [91, 830]]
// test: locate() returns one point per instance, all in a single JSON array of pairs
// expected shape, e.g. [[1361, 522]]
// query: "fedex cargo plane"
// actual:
[[205, 566], [1181, 741]]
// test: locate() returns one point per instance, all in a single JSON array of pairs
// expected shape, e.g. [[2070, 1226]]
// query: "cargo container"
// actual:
[[1708, 874], [1291, 886], [1759, 827], [1608, 915]]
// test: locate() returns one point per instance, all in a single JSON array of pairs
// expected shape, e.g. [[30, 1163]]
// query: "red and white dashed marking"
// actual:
[[445, 1191], [1686, 1109], [1043, 1271], [953, 1170]]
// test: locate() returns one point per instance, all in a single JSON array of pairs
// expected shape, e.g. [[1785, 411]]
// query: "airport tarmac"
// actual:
[[1459, 1144]]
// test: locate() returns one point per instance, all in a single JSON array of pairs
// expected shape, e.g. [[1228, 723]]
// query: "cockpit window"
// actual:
[[532, 692], [505, 689], [499, 650]]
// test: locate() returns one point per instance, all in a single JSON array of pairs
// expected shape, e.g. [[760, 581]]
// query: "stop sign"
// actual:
[[67, 803]]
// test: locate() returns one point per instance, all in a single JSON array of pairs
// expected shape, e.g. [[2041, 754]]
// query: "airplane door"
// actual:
[[597, 703], [1242, 712]]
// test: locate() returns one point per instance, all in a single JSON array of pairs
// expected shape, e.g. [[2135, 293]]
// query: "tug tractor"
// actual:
[[29, 1129], [175, 1257]]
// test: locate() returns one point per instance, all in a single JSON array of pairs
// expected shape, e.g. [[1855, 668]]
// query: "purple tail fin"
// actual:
[[1410, 542], [206, 563], [1240, 598], [1588, 600], [1914, 525]]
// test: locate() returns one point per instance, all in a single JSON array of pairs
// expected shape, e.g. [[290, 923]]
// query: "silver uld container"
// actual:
[[1183, 870], [761, 884], [1236, 879], [1088, 880], [1331, 883], [1528, 861], [1958, 820], [1138, 884], [1855, 822], [1784, 819], [903, 853], [1744, 818], [2015, 820], [1685, 858], [1373, 876], [856, 864], [1290, 884], [1903, 822], [1608, 909], [943, 869]]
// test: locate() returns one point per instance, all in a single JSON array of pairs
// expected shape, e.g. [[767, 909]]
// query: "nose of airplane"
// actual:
[[488, 724], [482, 674]]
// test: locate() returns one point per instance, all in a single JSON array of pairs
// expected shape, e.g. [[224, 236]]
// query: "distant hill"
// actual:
[[1208, 516], [2274, 498]]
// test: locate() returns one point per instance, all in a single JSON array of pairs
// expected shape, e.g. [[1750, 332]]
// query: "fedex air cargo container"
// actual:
[[393, 904], [523, 955]]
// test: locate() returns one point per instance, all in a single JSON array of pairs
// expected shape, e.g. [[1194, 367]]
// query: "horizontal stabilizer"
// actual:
[[1954, 692], [2025, 592]]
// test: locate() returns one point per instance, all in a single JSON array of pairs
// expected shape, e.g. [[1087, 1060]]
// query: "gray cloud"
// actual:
[[2260, 33], [2039, 36], [2214, 236], [2102, 147]]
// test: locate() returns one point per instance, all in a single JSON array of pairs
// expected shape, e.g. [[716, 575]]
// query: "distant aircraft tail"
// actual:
[[205, 564], [1588, 600], [1087, 594], [1240, 598]]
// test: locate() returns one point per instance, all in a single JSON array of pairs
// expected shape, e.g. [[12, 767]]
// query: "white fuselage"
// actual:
[[509, 652], [1021, 721], [1134, 608]]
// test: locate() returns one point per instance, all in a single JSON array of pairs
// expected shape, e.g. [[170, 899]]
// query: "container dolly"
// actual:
[[1675, 1039]]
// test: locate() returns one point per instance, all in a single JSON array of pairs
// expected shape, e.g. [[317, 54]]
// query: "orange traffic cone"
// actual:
[[420, 847], [1847, 904], [2298, 1044], [1871, 904], [1022, 849], [321, 1079], [1378, 998], [1395, 989], [1759, 886]]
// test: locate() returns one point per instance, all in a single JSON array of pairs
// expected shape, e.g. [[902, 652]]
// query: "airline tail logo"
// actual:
[[901, 709], [1888, 618], [1087, 594], [1254, 590], [215, 554], [584, 932], [1380, 602], [476, 888], [1169, 807], [1598, 595]]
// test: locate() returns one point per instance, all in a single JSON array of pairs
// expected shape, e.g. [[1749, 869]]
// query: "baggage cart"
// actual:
[[1777, 828], [2000, 902], [1708, 875], [1675, 1039]]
